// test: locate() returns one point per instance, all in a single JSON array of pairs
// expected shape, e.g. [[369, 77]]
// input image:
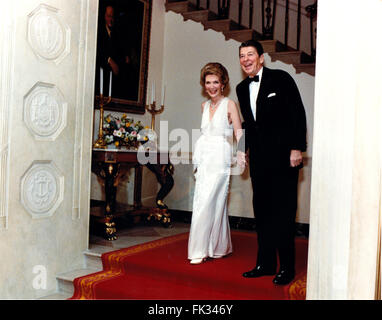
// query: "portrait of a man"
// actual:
[[119, 49]]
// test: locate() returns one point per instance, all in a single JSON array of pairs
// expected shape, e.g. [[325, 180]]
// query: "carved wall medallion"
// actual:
[[45, 111], [42, 189], [48, 36]]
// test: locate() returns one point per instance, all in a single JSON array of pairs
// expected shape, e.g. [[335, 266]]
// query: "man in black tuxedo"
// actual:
[[275, 134]]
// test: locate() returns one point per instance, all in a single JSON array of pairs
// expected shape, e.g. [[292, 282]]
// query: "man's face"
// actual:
[[250, 61], [109, 16]]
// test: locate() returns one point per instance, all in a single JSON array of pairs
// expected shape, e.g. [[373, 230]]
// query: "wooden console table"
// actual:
[[110, 165]]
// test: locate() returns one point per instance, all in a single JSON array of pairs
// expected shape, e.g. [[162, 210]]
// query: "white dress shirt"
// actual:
[[254, 91]]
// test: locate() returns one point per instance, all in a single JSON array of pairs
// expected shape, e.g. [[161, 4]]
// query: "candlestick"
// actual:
[[101, 82], [152, 109], [153, 92], [101, 143]]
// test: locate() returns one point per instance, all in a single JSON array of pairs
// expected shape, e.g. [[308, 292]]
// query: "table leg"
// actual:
[[163, 173], [138, 187], [111, 171]]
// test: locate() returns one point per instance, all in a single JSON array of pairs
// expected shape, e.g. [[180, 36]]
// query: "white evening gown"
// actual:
[[210, 233]]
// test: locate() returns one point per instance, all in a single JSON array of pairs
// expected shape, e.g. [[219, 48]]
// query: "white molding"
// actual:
[[47, 35], [42, 189], [45, 111], [7, 47], [83, 110]]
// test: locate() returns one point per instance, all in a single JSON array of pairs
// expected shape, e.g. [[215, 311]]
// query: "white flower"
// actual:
[[109, 138], [117, 133]]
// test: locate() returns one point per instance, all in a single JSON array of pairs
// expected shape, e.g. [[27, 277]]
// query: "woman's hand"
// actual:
[[241, 159]]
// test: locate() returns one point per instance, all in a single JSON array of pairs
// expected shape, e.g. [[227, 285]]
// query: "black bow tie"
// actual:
[[255, 78]]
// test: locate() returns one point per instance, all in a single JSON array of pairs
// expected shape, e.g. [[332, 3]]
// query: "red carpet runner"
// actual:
[[160, 270]]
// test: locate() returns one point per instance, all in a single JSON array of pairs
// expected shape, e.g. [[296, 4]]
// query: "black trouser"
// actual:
[[275, 205]]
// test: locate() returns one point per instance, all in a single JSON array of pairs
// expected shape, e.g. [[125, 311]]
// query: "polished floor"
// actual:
[[136, 234]]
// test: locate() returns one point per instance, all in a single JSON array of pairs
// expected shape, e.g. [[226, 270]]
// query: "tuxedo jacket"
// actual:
[[280, 124], [106, 47]]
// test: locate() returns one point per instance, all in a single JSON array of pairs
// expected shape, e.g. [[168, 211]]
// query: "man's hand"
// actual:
[[295, 158], [241, 159]]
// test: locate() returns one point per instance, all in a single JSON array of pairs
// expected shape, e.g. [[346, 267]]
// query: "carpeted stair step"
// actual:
[[65, 280]]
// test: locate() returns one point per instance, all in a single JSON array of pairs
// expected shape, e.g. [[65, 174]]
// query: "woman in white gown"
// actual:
[[210, 233]]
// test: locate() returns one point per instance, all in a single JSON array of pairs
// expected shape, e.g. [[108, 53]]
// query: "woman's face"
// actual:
[[213, 86]]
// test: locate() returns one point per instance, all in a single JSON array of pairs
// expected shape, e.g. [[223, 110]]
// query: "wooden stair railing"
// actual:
[[233, 30]]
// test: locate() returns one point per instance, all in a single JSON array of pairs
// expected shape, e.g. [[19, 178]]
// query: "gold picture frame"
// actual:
[[126, 44]]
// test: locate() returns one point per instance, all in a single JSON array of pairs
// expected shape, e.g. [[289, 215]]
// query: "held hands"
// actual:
[[241, 159], [239, 163], [295, 158]]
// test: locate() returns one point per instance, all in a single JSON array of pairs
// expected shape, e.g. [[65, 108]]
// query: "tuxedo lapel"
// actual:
[[264, 85], [247, 100]]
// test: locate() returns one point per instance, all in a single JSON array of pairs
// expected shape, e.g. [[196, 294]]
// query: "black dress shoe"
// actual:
[[259, 271], [283, 277]]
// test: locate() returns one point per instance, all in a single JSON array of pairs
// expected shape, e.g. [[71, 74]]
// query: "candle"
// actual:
[[111, 76], [163, 93], [153, 92], [101, 81]]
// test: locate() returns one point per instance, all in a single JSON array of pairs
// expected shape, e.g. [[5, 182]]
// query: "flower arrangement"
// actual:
[[123, 132]]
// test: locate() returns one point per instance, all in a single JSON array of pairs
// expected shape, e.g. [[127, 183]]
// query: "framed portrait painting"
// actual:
[[123, 40]]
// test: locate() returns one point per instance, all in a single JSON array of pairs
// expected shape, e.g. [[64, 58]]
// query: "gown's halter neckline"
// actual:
[[213, 107]]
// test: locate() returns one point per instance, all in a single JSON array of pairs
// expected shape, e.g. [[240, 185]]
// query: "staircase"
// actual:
[[65, 288], [232, 30]]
